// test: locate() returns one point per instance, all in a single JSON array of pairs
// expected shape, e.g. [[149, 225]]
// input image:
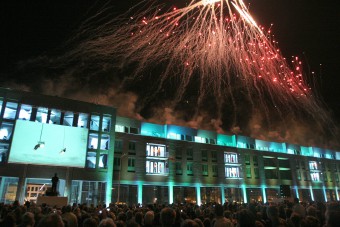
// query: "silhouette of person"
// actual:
[[55, 181]]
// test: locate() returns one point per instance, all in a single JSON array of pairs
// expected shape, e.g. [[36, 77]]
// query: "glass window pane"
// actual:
[[68, 119], [10, 110], [3, 152], [25, 112], [103, 160], [55, 116], [82, 120], [106, 124], [93, 141], [6, 130], [42, 115], [91, 160], [94, 124], [105, 142]]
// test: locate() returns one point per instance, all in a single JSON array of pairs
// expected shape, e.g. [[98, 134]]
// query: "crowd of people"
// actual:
[[290, 214]]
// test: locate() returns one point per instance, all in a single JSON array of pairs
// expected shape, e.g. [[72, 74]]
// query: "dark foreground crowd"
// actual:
[[209, 215]]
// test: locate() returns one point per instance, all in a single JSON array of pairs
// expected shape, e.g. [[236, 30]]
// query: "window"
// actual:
[[106, 124], [6, 130], [205, 170], [118, 145], [132, 146], [93, 141], [42, 114], [103, 160], [94, 123], [105, 142], [270, 162], [285, 174], [189, 168], [91, 160], [255, 160], [25, 112], [179, 168], [271, 174], [82, 120], [178, 153], [68, 119], [116, 163], [3, 152], [190, 153], [214, 156], [230, 158], [215, 170], [298, 175], [247, 159], [232, 172], [10, 110], [204, 155], [256, 173], [188, 138], [55, 116], [131, 164], [248, 172], [133, 130]]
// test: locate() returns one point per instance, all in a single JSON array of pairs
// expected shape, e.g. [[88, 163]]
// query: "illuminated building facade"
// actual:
[[101, 157]]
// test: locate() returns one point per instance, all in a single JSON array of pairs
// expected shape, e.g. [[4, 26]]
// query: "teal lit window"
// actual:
[[68, 118], [55, 116], [248, 172], [214, 156], [106, 124], [25, 112], [204, 155], [132, 146], [256, 173], [190, 153], [247, 159], [118, 145], [215, 170], [42, 114], [179, 168], [255, 160], [82, 120], [189, 168], [94, 123], [10, 110]]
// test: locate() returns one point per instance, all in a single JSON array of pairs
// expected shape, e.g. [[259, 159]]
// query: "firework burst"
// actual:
[[214, 42]]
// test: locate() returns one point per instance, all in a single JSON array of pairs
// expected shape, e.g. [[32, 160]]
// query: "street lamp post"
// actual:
[[120, 170]]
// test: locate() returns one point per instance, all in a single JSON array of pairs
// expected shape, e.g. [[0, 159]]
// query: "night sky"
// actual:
[[309, 29]]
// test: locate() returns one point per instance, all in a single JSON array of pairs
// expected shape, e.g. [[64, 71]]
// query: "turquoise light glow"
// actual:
[[244, 193], [264, 193], [149, 129], [337, 193], [171, 192], [311, 193], [297, 192], [324, 193], [140, 192], [198, 191]]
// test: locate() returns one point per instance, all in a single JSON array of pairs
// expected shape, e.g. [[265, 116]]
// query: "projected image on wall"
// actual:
[[156, 167], [48, 144], [155, 150], [232, 172]]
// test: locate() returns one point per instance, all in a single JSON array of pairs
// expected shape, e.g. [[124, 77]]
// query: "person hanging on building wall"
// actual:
[[55, 181]]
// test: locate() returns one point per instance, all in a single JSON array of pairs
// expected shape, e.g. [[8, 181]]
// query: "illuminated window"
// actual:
[[91, 160], [10, 110], [313, 165], [93, 141], [94, 123], [230, 158], [25, 112], [6, 131], [68, 118], [82, 120], [3, 152], [156, 150], [232, 172], [269, 161], [315, 176], [55, 116], [247, 159], [105, 142], [119, 128], [106, 124], [103, 160], [158, 167], [42, 114]]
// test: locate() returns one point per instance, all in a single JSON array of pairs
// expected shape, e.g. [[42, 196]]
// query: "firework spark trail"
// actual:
[[215, 40]]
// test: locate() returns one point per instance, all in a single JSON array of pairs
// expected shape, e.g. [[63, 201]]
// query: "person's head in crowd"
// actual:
[[332, 215], [295, 219], [122, 216], [245, 218], [167, 217], [199, 222], [90, 222], [311, 211], [139, 218], [219, 210], [107, 222], [310, 221], [148, 218], [207, 222], [28, 219], [9, 220], [227, 214], [51, 220], [189, 223]]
